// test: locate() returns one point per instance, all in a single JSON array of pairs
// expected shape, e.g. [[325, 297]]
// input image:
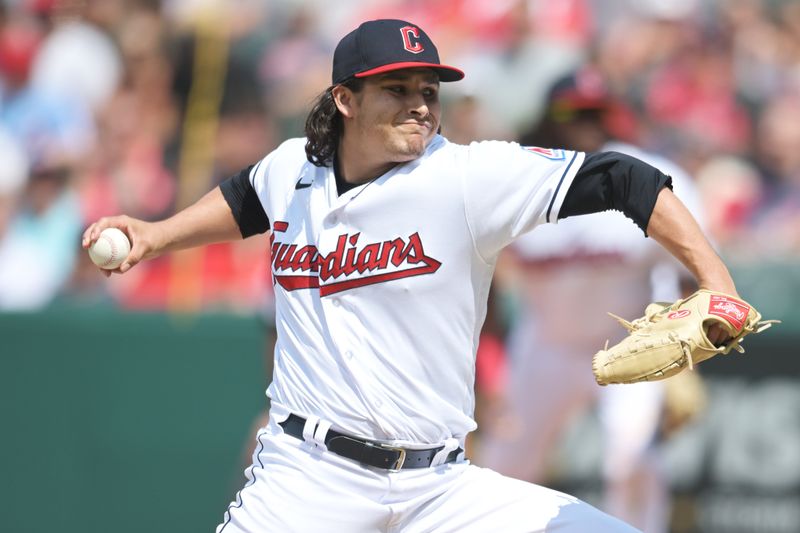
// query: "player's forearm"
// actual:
[[208, 221], [675, 229]]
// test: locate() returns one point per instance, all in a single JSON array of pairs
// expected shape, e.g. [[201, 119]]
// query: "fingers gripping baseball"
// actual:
[[138, 233]]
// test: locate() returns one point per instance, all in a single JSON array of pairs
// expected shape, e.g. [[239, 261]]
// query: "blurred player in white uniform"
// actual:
[[567, 277]]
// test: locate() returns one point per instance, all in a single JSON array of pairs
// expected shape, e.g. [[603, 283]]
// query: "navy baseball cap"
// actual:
[[379, 46], [583, 89]]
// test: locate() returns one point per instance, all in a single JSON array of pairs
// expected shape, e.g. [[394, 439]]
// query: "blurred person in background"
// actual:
[[470, 120], [50, 122], [764, 36], [13, 179], [673, 62], [634, 38], [56, 131], [38, 246], [777, 220], [128, 169], [573, 273], [293, 67], [78, 57], [694, 98], [511, 73], [732, 191]]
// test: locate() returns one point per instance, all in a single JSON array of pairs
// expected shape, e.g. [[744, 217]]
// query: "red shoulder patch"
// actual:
[[550, 153]]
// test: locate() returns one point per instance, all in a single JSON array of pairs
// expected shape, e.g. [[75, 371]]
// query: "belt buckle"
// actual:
[[400, 460]]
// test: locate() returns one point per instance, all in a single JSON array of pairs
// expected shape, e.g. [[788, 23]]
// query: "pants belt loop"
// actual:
[[320, 434], [450, 445], [308, 432]]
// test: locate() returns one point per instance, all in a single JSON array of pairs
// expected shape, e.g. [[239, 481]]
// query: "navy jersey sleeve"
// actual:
[[611, 180], [244, 203]]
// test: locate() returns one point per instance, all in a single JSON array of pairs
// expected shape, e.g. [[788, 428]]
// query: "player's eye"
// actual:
[[429, 93], [396, 89]]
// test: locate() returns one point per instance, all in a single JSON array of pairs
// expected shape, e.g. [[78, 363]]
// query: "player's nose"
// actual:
[[420, 112], [417, 105]]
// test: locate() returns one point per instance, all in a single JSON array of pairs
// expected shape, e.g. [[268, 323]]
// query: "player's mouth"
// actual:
[[417, 127]]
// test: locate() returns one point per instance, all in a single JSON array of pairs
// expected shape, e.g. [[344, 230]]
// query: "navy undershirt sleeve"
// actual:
[[244, 203], [611, 180]]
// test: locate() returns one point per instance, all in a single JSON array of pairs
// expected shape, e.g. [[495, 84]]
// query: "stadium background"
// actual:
[[128, 404]]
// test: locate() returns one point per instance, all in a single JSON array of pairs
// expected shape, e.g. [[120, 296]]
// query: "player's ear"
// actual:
[[345, 100]]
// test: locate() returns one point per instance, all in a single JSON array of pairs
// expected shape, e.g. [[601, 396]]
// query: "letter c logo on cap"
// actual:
[[411, 39]]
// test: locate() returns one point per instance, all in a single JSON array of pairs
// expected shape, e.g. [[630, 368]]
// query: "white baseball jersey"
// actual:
[[380, 292]]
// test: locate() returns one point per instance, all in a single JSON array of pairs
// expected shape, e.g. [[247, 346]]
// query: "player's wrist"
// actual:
[[159, 238], [719, 283]]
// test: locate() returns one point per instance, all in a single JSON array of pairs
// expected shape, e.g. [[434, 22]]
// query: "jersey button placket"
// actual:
[[333, 219], [327, 240]]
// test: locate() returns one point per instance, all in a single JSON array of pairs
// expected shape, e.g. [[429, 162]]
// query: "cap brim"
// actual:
[[573, 99], [446, 73]]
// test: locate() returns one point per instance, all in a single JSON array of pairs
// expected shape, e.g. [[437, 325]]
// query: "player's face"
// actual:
[[398, 113]]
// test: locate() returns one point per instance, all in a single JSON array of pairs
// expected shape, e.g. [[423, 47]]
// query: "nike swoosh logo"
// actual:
[[302, 185]]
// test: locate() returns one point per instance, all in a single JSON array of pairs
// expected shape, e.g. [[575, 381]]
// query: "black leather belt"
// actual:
[[368, 452]]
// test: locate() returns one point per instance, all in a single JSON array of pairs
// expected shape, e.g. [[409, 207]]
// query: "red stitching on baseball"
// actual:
[[113, 249]]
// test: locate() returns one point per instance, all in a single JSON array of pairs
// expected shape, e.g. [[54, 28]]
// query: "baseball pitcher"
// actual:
[[384, 241]]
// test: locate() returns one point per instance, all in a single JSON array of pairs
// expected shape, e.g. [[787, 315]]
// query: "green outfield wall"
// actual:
[[116, 423]]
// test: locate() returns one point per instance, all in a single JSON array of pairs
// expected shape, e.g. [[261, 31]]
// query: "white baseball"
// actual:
[[110, 249]]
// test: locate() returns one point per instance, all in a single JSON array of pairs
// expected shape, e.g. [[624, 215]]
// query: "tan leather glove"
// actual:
[[671, 337]]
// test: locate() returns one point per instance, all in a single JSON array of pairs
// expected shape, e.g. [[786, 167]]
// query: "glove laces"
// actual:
[[637, 323]]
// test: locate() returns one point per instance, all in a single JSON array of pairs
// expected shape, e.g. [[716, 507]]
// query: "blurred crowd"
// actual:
[[141, 106]]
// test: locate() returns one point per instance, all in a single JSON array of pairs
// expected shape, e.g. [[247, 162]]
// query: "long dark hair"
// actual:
[[324, 125]]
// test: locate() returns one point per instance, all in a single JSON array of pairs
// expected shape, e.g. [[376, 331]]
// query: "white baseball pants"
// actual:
[[292, 487]]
